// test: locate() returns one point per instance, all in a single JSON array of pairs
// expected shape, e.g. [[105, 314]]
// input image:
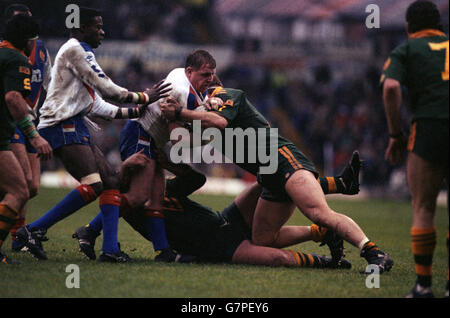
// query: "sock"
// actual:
[[97, 223], [8, 218], [19, 223], [306, 260], [331, 185], [156, 229], [423, 243], [318, 232], [109, 206], [75, 200], [366, 244]]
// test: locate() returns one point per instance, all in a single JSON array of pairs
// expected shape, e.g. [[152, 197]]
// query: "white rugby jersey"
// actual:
[[152, 120], [77, 86]]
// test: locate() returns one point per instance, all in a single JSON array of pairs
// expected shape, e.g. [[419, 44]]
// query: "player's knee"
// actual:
[[22, 194]]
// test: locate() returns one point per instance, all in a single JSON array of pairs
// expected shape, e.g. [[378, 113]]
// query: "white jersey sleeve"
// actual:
[[86, 68], [101, 108]]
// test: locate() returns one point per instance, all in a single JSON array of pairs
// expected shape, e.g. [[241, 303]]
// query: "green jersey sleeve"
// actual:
[[230, 108], [395, 65], [17, 76]]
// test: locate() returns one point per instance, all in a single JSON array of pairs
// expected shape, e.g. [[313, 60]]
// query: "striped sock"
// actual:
[[8, 218], [75, 200], [318, 232], [423, 243], [109, 202], [331, 185], [307, 260], [156, 229]]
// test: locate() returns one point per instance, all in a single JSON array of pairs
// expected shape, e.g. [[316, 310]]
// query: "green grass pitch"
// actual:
[[385, 222]]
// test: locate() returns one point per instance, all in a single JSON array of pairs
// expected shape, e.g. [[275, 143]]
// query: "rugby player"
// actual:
[[15, 85], [196, 230], [40, 67], [77, 88], [292, 185], [150, 132], [421, 65]]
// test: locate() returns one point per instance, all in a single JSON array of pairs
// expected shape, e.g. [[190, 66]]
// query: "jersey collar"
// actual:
[[8, 45], [426, 33]]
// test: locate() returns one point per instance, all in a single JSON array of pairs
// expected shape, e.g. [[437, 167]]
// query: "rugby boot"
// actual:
[[375, 256], [420, 292], [327, 262], [86, 241], [336, 245], [6, 260], [350, 175], [118, 257], [32, 239], [168, 255]]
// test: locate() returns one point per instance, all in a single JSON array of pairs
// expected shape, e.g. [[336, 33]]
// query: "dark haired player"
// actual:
[[421, 64], [15, 84], [40, 77], [76, 90]]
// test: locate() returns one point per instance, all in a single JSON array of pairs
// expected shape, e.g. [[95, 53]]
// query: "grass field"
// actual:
[[387, 223]]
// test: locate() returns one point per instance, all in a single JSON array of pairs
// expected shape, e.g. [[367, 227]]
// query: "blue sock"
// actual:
[[71, 203], [97, 223], [110, 206], [156, 230]]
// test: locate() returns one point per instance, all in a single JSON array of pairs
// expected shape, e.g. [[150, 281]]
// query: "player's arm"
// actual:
[[92, 74], [173, 111], [17, 85], [18, 109], [393, 75]]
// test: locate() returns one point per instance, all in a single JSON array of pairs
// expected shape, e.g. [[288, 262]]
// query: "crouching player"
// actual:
[[194, 229]]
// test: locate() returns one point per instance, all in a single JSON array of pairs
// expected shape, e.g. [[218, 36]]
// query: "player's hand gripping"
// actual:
[[158, 91], [170, 108]]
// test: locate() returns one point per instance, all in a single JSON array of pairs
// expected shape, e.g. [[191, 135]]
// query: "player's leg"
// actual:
[[19, 149], [249, 253], [424, 182], [79, 161], [309, 198], [14, 187]]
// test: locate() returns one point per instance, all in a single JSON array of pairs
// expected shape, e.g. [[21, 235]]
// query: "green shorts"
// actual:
[[429, 139], [290, 159]]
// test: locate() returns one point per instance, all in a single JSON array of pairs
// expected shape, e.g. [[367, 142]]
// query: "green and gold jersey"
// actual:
[[421, 64], [241, 114], [15, 75]]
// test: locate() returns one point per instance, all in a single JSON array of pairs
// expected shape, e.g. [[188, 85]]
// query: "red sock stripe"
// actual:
[[153, 213], [110, 197], [87, 193]]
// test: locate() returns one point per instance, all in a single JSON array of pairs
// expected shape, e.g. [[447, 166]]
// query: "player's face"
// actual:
[[93, 33], [201, 79], [29, 47]]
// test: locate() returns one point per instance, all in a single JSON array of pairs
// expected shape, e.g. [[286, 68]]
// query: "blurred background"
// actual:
[[311, 67]]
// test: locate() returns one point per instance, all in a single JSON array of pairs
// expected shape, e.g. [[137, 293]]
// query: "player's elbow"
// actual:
[[391, 86], [12, 98]]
